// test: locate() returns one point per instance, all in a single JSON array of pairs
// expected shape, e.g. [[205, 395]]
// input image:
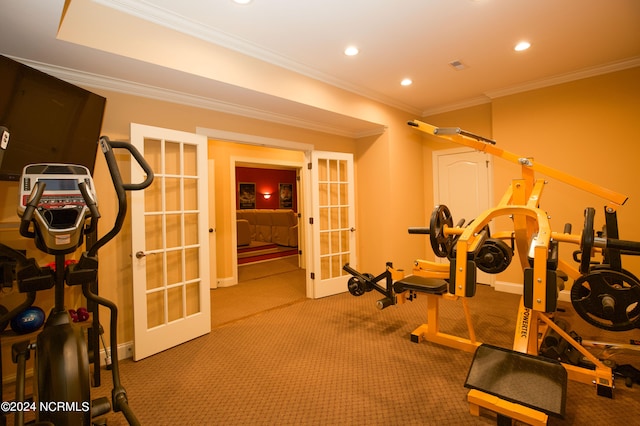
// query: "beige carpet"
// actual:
[[262, 286], [338, 361], [267, 268]]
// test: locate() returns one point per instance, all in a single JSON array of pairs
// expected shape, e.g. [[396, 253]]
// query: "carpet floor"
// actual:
[[262, 286], [338, 361]]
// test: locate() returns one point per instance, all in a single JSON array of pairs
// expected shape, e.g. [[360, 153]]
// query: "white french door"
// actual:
[[170, 241], [333, 226]]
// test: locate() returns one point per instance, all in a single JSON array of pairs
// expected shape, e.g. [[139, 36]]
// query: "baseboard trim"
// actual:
[[227, 282], [124, 350], [516, 288]]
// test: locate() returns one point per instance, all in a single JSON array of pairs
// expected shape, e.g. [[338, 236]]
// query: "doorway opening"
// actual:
[[267, 217], [269, 266], [267, 213]]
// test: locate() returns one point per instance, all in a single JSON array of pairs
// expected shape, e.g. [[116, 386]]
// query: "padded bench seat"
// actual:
[[532, 381], [421, 284]]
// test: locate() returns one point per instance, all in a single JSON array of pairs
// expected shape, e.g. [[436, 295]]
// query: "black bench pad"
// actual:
[[421, 284], [528, 380]]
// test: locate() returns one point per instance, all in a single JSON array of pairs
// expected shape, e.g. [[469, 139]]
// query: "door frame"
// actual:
[[304, 201], [298, 166]]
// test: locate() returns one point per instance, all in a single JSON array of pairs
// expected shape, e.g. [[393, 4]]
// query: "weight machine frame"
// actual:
[[397, 291], [537, 247], [533, 239]]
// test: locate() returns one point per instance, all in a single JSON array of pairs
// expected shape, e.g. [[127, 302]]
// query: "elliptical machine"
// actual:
[[58, 207]]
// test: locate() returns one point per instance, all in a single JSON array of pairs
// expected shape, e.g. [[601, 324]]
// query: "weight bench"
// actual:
[[516, 386], [421, 285], [435, 290]]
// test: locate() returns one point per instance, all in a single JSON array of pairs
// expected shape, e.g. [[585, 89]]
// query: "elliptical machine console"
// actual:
[[61, 210]]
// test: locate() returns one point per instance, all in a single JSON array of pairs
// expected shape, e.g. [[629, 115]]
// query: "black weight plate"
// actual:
[[440, 243], [494, 256], [355, 286], [587, 239], [590, 291]]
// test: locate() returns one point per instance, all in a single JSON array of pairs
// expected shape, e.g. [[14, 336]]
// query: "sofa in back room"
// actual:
[[278, 226]]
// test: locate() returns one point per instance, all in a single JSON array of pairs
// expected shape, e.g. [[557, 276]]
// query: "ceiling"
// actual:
[[284, 40]]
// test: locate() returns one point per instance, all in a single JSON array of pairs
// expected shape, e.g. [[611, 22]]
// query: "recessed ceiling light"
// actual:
[[351, 51], [406, 82], [523, 45], [242, 1]]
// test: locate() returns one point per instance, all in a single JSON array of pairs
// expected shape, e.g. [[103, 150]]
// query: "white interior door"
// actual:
[[333, 221], [170, 241], [462, 182]]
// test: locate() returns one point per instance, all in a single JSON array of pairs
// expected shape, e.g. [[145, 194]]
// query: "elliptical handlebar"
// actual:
[[106, 145], [118, 394], [91, 204], [32, 204], [119, 186]]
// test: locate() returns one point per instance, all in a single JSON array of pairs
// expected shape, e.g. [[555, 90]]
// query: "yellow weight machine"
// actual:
[[544, 274]]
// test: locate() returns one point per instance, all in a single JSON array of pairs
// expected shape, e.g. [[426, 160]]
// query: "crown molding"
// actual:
[[488, 96], [565, 78], [97, 81], [467, 103], [167, 19]]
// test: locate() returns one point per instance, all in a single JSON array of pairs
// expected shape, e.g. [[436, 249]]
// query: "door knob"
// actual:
[[140, 254]]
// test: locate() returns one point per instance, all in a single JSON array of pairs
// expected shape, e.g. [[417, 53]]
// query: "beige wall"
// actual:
[[389, 188], [585, 127]]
